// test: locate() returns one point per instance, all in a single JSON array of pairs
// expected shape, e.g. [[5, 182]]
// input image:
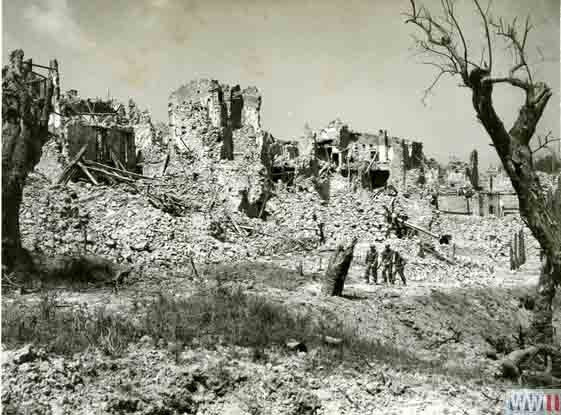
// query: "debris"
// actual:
[[26, 354], [296, 346], [334, 341], [168, 203]]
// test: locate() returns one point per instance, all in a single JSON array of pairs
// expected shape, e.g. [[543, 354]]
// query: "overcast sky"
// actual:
[[313, 60]]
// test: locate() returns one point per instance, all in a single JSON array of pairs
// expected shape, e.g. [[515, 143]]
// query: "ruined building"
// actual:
[[204, 115], [375, 158], [97, 125]]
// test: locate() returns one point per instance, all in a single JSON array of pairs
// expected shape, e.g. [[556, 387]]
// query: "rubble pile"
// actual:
[[94, 383], [164, 223], [214, 198], [488, 236]]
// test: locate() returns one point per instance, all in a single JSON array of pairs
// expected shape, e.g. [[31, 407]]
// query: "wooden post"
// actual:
[[522, 246], [516, 251], [511, 255]]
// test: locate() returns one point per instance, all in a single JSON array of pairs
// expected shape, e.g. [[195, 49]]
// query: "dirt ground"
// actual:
[[445, 331]]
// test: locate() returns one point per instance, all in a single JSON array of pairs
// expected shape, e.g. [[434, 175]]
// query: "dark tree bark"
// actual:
[[445, 42], [514, 151], [336, 273], [26, 107]]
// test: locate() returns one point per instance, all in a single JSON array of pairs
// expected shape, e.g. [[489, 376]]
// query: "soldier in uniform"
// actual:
[[387, 260], [399, 267], [371, 265]]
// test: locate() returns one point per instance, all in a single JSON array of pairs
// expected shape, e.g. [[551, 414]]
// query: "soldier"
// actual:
[[371, 265], [387, 259], [399, 267]]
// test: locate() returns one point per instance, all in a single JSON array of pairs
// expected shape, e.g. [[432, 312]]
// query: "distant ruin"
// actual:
[[203, 114], [375, 158], [213, 121]]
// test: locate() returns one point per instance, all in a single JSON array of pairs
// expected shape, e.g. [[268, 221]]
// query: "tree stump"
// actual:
[[337, 269]]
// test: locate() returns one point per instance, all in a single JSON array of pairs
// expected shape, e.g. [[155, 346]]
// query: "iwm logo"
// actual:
[[533, 402]]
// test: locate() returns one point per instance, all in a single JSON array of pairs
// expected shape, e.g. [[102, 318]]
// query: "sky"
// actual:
[[312, 60]]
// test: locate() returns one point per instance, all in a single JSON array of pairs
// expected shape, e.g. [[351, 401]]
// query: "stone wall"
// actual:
[[379, 151], [251, 108], [203, 114]]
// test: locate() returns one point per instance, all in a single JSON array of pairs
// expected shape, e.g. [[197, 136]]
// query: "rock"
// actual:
[[307, 403], [297, 346], [24, 355], [374, 388], [333, 340], [146, 340], [140, 246]]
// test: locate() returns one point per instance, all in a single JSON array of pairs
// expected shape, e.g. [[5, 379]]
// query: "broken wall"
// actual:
[[203, 115], [349, 149], [104, 144]]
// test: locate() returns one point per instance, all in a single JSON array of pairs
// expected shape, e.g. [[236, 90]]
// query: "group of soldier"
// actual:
[[391, 263]]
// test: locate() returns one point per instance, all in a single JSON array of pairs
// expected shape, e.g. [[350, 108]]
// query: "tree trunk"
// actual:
[[337, 269], [26, 106], [515, 154], [541, 330]]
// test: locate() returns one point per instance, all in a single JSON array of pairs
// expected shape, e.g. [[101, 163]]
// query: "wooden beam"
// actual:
[[116, 160], [75, 160], [108, 173], [128, 173], [86, 171]]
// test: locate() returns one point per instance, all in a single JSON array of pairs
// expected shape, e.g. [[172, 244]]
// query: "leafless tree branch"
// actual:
[[510, 32], [509, 80], [450, 13], [438, 37], [442, 71], [487, 34], [542, 143]]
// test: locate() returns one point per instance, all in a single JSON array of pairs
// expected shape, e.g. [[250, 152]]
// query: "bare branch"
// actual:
[[511, 34], [546, 141], [509, 80], [426, 48], [450, 13], [428, 90], [487, 35], [439, 38]]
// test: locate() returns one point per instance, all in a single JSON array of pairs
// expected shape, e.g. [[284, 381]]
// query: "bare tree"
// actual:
[[445, 42], [26, 106], [27, 103]]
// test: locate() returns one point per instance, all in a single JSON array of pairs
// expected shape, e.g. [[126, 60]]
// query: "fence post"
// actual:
[[522, 246], [511, 255]]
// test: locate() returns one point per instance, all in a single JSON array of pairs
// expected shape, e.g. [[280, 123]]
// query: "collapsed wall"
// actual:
[[220, 126], [109, 114], [203, 114], [375, 159]]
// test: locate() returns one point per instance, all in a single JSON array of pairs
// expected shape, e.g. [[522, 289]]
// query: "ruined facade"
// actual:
[[114, 132], [378, 158], [105, 113], [204, 114]]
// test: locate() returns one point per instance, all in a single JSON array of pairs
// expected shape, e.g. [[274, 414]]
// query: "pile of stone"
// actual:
[[134, 224]]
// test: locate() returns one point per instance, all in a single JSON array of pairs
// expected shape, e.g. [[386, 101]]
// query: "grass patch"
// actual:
[[221, 315], [259, 273]]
